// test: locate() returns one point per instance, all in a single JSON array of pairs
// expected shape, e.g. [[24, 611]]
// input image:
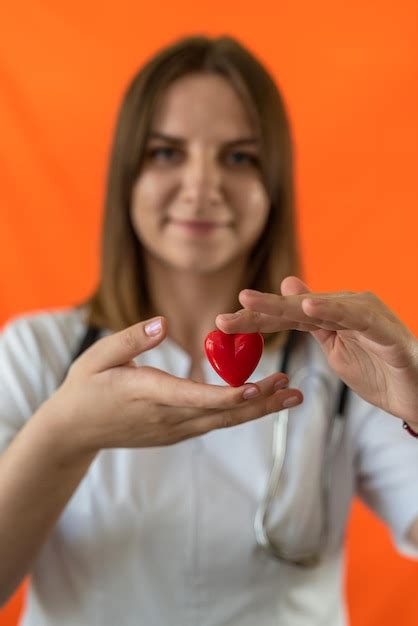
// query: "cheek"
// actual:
[[254, 208], [149, 198]]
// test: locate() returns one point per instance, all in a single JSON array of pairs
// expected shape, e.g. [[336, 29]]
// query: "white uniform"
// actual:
[[164, 536]]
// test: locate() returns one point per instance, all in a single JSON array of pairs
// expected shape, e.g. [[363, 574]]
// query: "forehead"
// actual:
[[204, 105]]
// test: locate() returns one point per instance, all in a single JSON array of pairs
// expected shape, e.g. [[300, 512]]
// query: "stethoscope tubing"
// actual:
[[279, 445]]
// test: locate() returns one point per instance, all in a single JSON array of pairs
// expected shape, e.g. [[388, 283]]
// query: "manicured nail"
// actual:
[[250, 392], [153, 328], [291, 401], [230, 316], [281, 384]]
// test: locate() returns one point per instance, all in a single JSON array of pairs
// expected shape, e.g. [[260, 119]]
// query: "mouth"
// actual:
[[197, 226]]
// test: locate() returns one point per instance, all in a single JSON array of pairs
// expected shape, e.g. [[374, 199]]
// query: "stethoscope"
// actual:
[[279, 444]]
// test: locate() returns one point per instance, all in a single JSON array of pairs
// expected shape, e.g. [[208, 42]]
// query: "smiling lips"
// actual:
[[197, 227]]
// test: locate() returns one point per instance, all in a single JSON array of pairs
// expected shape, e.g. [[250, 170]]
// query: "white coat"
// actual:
[[165, 536]]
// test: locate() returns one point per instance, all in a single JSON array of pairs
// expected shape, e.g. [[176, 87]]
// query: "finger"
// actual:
[[246, 321], [351, 315], [292, 285], [234, 417], [289, 309], [289, 289], [121, 347], [268, 386], [273, 383], [150, 384], [283, 313], [281, 307]]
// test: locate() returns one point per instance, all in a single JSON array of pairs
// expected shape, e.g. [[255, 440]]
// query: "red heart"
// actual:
[[234, 357]]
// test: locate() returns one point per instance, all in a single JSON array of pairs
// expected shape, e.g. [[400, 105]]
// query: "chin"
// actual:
[[200, 268], [197, 259], [198, 265]]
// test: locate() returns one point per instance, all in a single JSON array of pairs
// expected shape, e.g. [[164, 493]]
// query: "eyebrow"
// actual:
[[180, 140]]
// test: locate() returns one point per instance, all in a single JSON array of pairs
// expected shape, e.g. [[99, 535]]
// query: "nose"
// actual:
[[201, 183]]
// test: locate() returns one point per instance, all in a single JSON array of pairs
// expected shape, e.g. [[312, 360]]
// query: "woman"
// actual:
[[122, 489]]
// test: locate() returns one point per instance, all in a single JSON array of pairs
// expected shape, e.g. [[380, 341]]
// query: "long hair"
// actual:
[[122, 296]]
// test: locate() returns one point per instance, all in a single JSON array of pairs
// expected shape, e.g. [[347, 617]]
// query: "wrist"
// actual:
[[62, 439]]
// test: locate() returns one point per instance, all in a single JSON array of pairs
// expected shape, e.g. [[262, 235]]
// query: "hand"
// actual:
[[368, 347], [108, 401]]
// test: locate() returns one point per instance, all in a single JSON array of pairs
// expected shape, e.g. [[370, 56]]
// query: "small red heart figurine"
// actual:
[[234, 357]]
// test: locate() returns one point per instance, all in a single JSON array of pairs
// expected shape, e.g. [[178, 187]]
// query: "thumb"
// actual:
[[121, 347], [293, 286]]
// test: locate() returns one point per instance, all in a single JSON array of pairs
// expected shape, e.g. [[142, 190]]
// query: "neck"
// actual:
[[191, 301]]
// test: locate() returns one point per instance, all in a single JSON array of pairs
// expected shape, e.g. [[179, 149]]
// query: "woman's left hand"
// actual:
[[367, 346]]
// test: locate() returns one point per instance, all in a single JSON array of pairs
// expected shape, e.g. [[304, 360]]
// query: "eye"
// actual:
[[241, 158], [164, 154]]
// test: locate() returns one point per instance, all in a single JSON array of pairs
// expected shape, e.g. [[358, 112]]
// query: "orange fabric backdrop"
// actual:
[[348, 72]]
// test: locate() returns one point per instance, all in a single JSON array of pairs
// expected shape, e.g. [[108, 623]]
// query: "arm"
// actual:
[[38, 474], [106, 401], [376, 355], [386, 468], [364, 342]]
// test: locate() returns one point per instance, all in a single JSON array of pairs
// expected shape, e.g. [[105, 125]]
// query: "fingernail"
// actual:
[[281, 384], [230, 316], [291, 401], [153, 328], [314, 301], [250, 392], [251, 292]]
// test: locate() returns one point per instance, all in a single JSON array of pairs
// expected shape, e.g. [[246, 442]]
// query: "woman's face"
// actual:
[[199, 203]]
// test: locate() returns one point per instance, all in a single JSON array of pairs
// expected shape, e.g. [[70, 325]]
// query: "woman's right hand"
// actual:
[[107, 401]]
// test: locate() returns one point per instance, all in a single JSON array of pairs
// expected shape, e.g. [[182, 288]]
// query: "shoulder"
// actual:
[[43, 340], [35, 351], [39, 330]]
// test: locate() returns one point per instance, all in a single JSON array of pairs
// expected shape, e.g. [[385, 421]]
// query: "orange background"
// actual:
[[349, 75]]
